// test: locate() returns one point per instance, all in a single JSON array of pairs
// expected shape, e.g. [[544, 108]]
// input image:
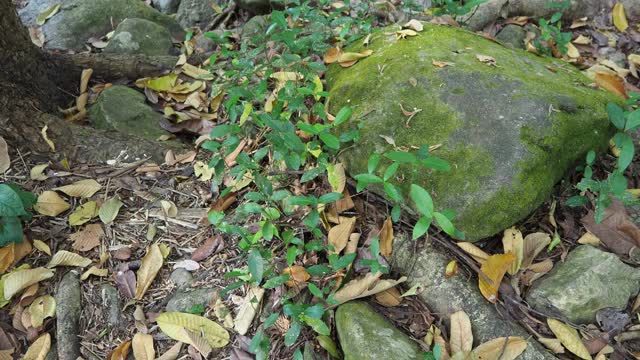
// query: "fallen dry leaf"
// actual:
[[87, 238], [83, 188], [151, 264], [67, 258], [174, 324], [208, 248], [42, 246], [502, 348], [172, 353], [441, 64], [5, 161], [569, 337], [619, 17], [486, 59], [121, 351], [389, 298], [617, 232], [41, 308], [533, 244], [95, 271], [248, 309], [37, 172], [475, 252], [451, 269], [49, 203], [365, 286], [19, 280], [47, 14], [512, 242], [339, 234], [494, 269], [461, 337], [414, 24], [611, 82], [298, 276], [142, 345], [552, 344], [109, 210], [40, 348], [386, 238], [83, 213]]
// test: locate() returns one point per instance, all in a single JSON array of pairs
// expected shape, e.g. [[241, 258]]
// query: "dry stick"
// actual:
[[226, 14], [128, 168]]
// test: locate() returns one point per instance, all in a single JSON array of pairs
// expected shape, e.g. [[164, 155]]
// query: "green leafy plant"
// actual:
[[551, 30], [15, 205], [624, 119]]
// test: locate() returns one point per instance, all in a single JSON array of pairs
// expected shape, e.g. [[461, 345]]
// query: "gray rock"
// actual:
[[184, 301], [445, 296], [111, 305], [366, 335], [140, 36], [166, 6], [506, 148], [196, 13], [256, 26], [181, 278], [123, 109], [68, 309], [512, 35], [589, 280], [79, 20]]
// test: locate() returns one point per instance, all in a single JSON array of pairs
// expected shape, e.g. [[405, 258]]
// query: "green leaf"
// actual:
[[318, 270], [276, 281], [330, 140], [109, 210], [28, 198], [343, 115], [368, 179], [401, 156], [293, 333], [591, 156], [421, 227], [627, 150], [49, 12], [343, 262], [435, 163], [317, 325], [445, 224], [256, 265], [577, 200], [616, 115], [390, 171], [633, 120], [422, 200], [329, 198], [315, 291], [10, 230], [10, 202], [373, 162], [392, 192]]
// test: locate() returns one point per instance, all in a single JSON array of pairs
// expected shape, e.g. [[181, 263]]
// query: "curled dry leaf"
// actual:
[[39, 349], [403, 34], [589, 239], [512, 242], [365, 286], [49, 203], [83, 188], [121, 352], [611, 82], [569, 337], [475, 252], [188, 265], [298, 276], [37, 36], [87, 238], [211, 246], [332, 55], [350, 58], [503, 348], [142, 345], [461, 337], [386, 238], [339, 234], [552, 344], [95, 271], [451, 269], [151, 264], [486, 59], [389, 298], [5, 161], [169, 209], [533, 244], [173, 325], [494, 269], [67, 258], [21, 279], [37, 172], [414, 24], [41, 308], [248, 309]]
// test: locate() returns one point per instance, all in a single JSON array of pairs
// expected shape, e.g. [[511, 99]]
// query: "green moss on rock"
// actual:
[[510, 131]]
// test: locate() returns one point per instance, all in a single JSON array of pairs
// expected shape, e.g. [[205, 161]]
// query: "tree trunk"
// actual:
[[35, 85]]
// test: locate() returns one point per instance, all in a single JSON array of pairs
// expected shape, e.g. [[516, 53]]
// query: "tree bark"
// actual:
[[35, 85]]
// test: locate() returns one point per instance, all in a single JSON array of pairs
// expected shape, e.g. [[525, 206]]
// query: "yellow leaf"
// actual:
[[121, 352], [7, 354], [40, 245], [48, 13], [475, 252], [37, 172], [494, 269], [5, 161], [501, 348], [533, 244], [109, 210], [67, 258], [332, 55], [143, 347], [402, 34], [337, 177], [461, 337], [164, 250], [84, 213], [389, 298], [41, 308], [298, 275], [173, 325], [21, 279], [572, 51], [512, 242], [350, 58], [7, 257], [159, 84], [172, 353], [386, 238], [169, 209], [582, 40], [202, 171], [196, 72], [44, 135], [365, 286], [620, 18], [440, 64], [94, 271], [247, 310], [83, 188], [451, 269], [552, 344], [151, 264], [589, 239], [51, 204], [611, 82], [569, 337], [339, 234], [39, 349]]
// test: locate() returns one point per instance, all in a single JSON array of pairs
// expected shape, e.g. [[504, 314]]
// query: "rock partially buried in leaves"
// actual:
[[509, 131], [589, 280], [365, 334], [140, 36]]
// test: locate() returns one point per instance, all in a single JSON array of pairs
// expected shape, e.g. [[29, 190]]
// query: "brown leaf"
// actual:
[[339, 234], [332, 55], [126, 282], [386, 238], [298, 276], [87, 238], [441, 64], [143, 347], [616, 231], [212, 245], [533, 244], [461, 337], [224, 203], [121, 352], [494, 269], [512, 242], [5, 161], [612, 83], [151, 264], [365, 286], [508, 348], [389, 298]]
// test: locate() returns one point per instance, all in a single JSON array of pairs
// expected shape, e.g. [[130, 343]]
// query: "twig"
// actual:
[[226, 14], [128, 168]]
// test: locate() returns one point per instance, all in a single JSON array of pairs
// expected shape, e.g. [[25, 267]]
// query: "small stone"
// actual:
[[123, 109], [513, 36], [196, 13], [166, 6], [364, 334], [111, 305], [589, 280], [184, 301], [181, 278], [68, 309], [140, 36]]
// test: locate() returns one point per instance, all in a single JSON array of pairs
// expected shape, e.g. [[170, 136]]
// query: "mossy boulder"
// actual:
[[140, 36], [123, 109], [366, 335], [588, 281], [510, 130], [196, 13], [79, 20]]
